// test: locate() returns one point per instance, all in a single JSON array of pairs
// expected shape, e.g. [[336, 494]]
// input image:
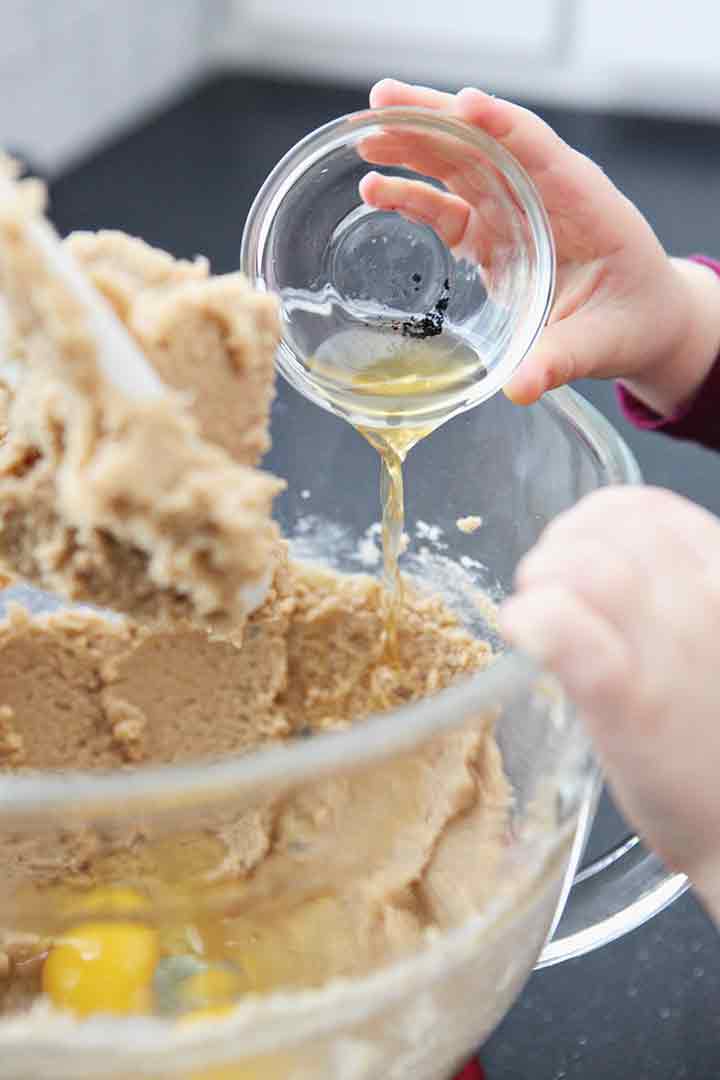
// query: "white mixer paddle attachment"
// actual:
[[121, 361], [132, 465]]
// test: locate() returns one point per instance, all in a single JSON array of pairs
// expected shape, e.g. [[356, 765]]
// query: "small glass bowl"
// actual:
[[348, 273]]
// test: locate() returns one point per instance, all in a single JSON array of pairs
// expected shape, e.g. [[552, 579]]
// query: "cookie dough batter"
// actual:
[[353, 869], [156, 508]]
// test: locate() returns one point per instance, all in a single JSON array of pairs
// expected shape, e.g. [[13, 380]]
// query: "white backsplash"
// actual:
[[74, 72], [614, 55]]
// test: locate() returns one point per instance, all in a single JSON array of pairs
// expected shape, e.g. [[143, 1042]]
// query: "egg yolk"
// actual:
[[102, 967]]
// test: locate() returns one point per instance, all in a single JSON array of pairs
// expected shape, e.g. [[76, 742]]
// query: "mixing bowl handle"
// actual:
[[613, 895]]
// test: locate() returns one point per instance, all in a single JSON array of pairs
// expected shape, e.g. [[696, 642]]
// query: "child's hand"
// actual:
[[622, 308], [621, 599]]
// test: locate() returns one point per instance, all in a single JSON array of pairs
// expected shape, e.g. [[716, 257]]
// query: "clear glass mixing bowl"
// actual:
[[415, 1015]]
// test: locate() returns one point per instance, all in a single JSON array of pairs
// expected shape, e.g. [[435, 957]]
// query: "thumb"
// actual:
[[577, 347]]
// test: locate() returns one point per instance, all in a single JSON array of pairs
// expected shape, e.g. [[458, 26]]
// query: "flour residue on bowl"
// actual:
[[463, 582]]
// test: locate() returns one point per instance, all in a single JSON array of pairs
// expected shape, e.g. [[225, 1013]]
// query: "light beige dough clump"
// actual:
[[147, 505], [469, 524]]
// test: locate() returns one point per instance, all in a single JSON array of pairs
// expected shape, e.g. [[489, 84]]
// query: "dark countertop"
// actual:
[[648, 1005]]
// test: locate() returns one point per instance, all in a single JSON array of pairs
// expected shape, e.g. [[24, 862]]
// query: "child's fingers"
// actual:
[[596, 567], [583, 345], [620, 550], [570, 184], [577, 194], [527, 385], [526, 136], [449, 215], [431, 154], [617, 601], [649, 760], [476, 232], [390, 147], [559, 630], [390, 92], [562, 354], [684, 533]]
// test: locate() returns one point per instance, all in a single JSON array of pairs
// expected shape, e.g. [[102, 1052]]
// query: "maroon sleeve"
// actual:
[[472, 1071], [698, 419]]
